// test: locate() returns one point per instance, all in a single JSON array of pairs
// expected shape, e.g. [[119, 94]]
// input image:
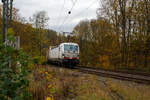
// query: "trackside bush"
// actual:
[[39, 60], [14, 69]]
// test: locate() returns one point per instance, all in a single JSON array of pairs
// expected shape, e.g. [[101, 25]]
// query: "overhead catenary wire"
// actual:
[[74, 3], [67, 15], [91, 4], [86, 8], [61, 10]]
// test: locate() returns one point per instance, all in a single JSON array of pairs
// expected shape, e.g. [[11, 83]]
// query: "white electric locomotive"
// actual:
[[65, 53]]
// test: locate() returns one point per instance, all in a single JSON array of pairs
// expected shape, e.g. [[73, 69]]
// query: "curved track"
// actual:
[[142, 78], [128, 76]]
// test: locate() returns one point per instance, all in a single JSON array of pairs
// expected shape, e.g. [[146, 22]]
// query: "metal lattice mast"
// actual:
[[6, 17]]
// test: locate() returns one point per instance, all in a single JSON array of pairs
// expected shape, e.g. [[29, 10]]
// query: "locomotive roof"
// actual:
[[69, 43]]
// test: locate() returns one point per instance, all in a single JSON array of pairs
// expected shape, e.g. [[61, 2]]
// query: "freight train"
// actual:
[[64, 54]]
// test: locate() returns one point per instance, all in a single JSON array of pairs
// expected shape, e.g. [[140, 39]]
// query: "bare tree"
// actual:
[[40, 21]]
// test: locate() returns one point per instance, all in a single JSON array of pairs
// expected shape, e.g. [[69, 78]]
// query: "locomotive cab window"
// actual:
[[71, 48]]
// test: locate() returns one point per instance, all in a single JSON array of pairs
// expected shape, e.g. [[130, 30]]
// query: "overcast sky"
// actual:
[[57, 11]]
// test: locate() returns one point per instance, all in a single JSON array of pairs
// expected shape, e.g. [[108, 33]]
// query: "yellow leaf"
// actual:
[[48, 98]]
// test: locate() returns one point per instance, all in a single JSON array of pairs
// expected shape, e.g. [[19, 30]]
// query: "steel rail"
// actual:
[[120, 75], [138, 78]]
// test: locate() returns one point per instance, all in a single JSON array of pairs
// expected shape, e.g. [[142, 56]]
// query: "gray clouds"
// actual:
[[57, 14]]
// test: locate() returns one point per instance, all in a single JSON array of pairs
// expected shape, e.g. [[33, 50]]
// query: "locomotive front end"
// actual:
[[71, 54]]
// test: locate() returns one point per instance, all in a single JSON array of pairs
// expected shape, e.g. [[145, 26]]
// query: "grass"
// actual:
[[65, 84], [130, 91]]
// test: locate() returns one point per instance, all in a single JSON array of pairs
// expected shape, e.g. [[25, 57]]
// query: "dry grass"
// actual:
[[65, 84], [130, 91]]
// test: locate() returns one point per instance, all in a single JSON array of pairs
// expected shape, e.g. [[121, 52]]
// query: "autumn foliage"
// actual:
[[119, 37]]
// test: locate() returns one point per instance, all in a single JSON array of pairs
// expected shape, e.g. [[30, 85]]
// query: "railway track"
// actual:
[[142, 78], [128, 76]]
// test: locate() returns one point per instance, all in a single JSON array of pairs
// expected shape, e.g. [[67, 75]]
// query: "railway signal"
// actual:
[[6, 17]]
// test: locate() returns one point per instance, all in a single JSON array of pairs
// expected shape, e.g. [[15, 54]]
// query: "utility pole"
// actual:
[[6, 18]]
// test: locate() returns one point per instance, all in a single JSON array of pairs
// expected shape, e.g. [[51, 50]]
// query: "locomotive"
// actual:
[[64, 54]]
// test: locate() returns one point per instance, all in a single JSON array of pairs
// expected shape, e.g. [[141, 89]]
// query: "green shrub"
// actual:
[[39, 60], [14, 69]]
